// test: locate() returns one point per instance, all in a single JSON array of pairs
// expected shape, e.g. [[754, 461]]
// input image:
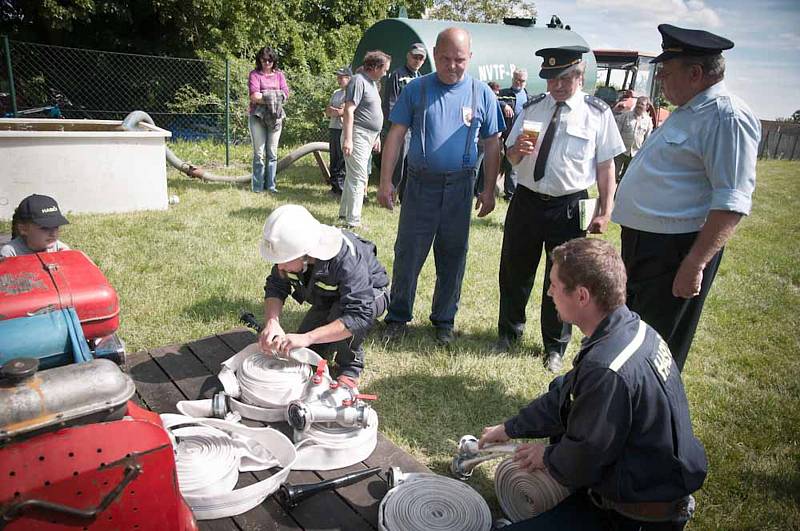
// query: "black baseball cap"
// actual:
[[681, 42], [42, 210]]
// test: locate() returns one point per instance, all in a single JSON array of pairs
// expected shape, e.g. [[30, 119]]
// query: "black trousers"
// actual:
[[652, 261], [336, 160], [348, 354], [533, 223], [509, 178], [578, 513]]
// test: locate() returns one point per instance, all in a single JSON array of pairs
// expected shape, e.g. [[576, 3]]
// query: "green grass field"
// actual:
[[187, 273]]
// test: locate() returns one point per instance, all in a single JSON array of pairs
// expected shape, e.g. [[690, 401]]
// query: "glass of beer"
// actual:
[[531, 130]]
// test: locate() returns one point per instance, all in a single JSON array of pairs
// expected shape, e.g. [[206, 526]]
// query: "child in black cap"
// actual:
[[35, 227]]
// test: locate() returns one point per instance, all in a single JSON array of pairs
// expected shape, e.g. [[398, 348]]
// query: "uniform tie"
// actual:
[[547, 141]]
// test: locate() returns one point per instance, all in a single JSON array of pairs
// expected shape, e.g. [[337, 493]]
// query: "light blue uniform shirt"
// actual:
[[521, 100], [702, 158], [448, 121]]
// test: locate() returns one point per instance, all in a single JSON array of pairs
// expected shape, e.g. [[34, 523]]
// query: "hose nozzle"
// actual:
[[469, 455]]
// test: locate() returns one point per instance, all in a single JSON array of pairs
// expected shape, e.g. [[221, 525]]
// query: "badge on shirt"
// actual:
[[466, 115]]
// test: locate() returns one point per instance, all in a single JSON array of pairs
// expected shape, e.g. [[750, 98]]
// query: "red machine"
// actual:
[[34, 283], [112, 467], [114, 475]]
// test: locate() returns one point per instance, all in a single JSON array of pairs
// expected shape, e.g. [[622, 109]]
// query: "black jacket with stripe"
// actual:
[[619, 420]]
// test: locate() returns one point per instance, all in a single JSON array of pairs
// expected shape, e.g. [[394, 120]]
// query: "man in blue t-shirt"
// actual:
[[446, 112]]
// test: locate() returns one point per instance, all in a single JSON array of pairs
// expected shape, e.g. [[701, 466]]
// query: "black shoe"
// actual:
[[554, 362], [501, 346], [445, 336], [394, 331]]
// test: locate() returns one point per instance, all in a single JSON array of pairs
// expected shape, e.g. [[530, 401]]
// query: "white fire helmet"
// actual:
[[291, 232]]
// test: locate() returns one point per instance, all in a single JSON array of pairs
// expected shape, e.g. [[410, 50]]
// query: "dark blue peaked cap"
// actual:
[[558, 60], [679, 42]]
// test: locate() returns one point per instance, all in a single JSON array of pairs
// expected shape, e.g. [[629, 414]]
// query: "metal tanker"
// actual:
[[497, 49]]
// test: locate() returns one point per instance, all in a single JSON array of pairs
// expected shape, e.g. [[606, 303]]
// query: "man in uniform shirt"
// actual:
[[513, 99], [619, 426], [687, 189], [634, 127], [575, 149], [394, 85], [446, 111]]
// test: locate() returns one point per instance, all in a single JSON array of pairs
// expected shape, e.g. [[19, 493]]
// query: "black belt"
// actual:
[[545, 197], [679, 510]]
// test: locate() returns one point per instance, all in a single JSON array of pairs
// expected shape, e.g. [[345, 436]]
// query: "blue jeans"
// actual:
[[436, 211], [265, 149]]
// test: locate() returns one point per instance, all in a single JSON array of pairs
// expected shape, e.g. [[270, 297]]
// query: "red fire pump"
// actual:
[[75, 451]]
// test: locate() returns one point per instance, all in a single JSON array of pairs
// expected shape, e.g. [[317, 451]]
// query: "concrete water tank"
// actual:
[[86, 165], [497, 49]]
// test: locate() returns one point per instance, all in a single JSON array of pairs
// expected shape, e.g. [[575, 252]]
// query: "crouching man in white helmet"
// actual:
[[334, 270]]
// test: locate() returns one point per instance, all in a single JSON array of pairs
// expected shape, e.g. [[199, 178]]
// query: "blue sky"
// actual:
[[763, 68]]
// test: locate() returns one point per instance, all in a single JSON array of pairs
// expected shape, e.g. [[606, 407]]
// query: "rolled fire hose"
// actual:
[[332, 446], [266, 385], [273, 384], [132, 120], [523, 494], [422, 502], [210, 453]]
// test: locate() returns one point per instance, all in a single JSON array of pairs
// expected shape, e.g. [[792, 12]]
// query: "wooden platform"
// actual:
[[166, 375]]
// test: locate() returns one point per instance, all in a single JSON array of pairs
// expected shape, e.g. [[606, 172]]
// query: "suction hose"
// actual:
[[133, 119]]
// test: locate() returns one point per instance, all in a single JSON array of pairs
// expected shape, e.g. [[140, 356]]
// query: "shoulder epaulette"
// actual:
[[532, 100], [597, 103]]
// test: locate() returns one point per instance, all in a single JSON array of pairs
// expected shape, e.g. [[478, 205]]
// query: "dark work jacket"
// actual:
[[394, 85], [508, 96], [620, 417], [353, 278]]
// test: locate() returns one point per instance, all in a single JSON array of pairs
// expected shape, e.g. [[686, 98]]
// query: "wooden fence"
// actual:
[[779, 140]]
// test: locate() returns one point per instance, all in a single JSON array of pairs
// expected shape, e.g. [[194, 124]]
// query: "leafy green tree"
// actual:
[[489, 11], [312, 38]]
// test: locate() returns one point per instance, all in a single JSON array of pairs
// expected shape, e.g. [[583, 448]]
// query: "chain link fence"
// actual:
[[187, 97]]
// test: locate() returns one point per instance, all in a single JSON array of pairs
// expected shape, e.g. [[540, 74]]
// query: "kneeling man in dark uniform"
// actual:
[[620, 433], [337, 272]]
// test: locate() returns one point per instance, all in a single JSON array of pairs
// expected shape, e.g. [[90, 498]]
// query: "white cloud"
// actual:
[[763, 68], [683, 12]]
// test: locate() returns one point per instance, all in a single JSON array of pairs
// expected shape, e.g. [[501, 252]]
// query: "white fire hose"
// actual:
[[521, 494], [524, 494], [210, 453], [333, 425], [422, 502]]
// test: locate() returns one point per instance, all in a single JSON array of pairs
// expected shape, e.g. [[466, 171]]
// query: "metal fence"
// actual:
[[188, 97]]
